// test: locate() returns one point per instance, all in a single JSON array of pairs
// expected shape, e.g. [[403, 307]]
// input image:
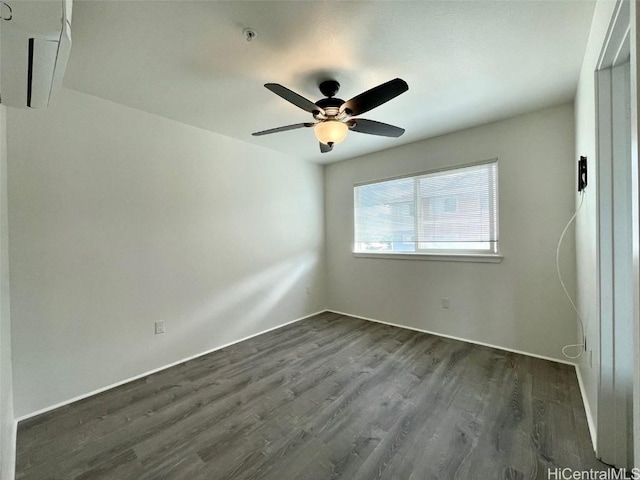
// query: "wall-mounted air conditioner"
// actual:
[[35, 42]]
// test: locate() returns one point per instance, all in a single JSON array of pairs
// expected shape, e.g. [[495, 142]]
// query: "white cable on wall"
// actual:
[[581, 346]]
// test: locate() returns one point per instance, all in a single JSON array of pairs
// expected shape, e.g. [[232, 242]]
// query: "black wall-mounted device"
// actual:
[[582, 173]]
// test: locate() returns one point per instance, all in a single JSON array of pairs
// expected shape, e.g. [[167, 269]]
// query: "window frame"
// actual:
[[467, 255]]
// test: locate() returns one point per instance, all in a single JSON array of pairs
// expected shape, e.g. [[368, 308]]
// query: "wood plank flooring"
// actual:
[[330, 397]]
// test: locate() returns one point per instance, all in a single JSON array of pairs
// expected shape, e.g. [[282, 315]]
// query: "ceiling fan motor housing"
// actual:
[[331, 107]]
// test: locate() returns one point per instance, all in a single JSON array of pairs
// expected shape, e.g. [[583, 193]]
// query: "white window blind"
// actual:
[[453, 210]]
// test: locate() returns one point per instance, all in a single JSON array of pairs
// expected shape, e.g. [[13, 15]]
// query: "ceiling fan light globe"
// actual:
[[330, 131]]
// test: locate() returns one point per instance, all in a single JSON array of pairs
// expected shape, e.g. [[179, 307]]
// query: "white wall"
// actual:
[[7, 423], [586, 222], [517, 304], [120, 218]]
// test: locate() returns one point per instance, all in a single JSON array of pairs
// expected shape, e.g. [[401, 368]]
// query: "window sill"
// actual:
[[439, 257]]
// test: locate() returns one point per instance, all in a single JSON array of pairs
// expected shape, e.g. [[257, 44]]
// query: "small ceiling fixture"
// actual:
[[250, 34], [333, 116]]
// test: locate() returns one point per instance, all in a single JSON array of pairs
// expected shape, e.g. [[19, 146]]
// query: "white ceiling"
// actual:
[[466, 62]]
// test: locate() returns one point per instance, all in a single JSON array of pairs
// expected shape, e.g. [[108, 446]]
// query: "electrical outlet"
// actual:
[[445, 302], [308, 289], [159, 327]]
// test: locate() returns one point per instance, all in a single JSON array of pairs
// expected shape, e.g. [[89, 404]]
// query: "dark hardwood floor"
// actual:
[[326, 398]]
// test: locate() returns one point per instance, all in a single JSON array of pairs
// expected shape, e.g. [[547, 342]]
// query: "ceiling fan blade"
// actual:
[[372, 127], [283, 129], [374, 97], [324, 148], [293, 97]]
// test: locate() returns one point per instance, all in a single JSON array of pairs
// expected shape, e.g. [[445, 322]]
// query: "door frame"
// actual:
[[618, 241]]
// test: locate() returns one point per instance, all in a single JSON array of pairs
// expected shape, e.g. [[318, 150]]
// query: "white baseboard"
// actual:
[[587, 410], [156, 370], [587, 407], [498, 347]]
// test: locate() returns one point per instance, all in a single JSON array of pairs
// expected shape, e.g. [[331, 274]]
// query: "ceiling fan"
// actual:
[[333, 115]]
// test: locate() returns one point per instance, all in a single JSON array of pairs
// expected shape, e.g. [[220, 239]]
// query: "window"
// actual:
[[451, 211]]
